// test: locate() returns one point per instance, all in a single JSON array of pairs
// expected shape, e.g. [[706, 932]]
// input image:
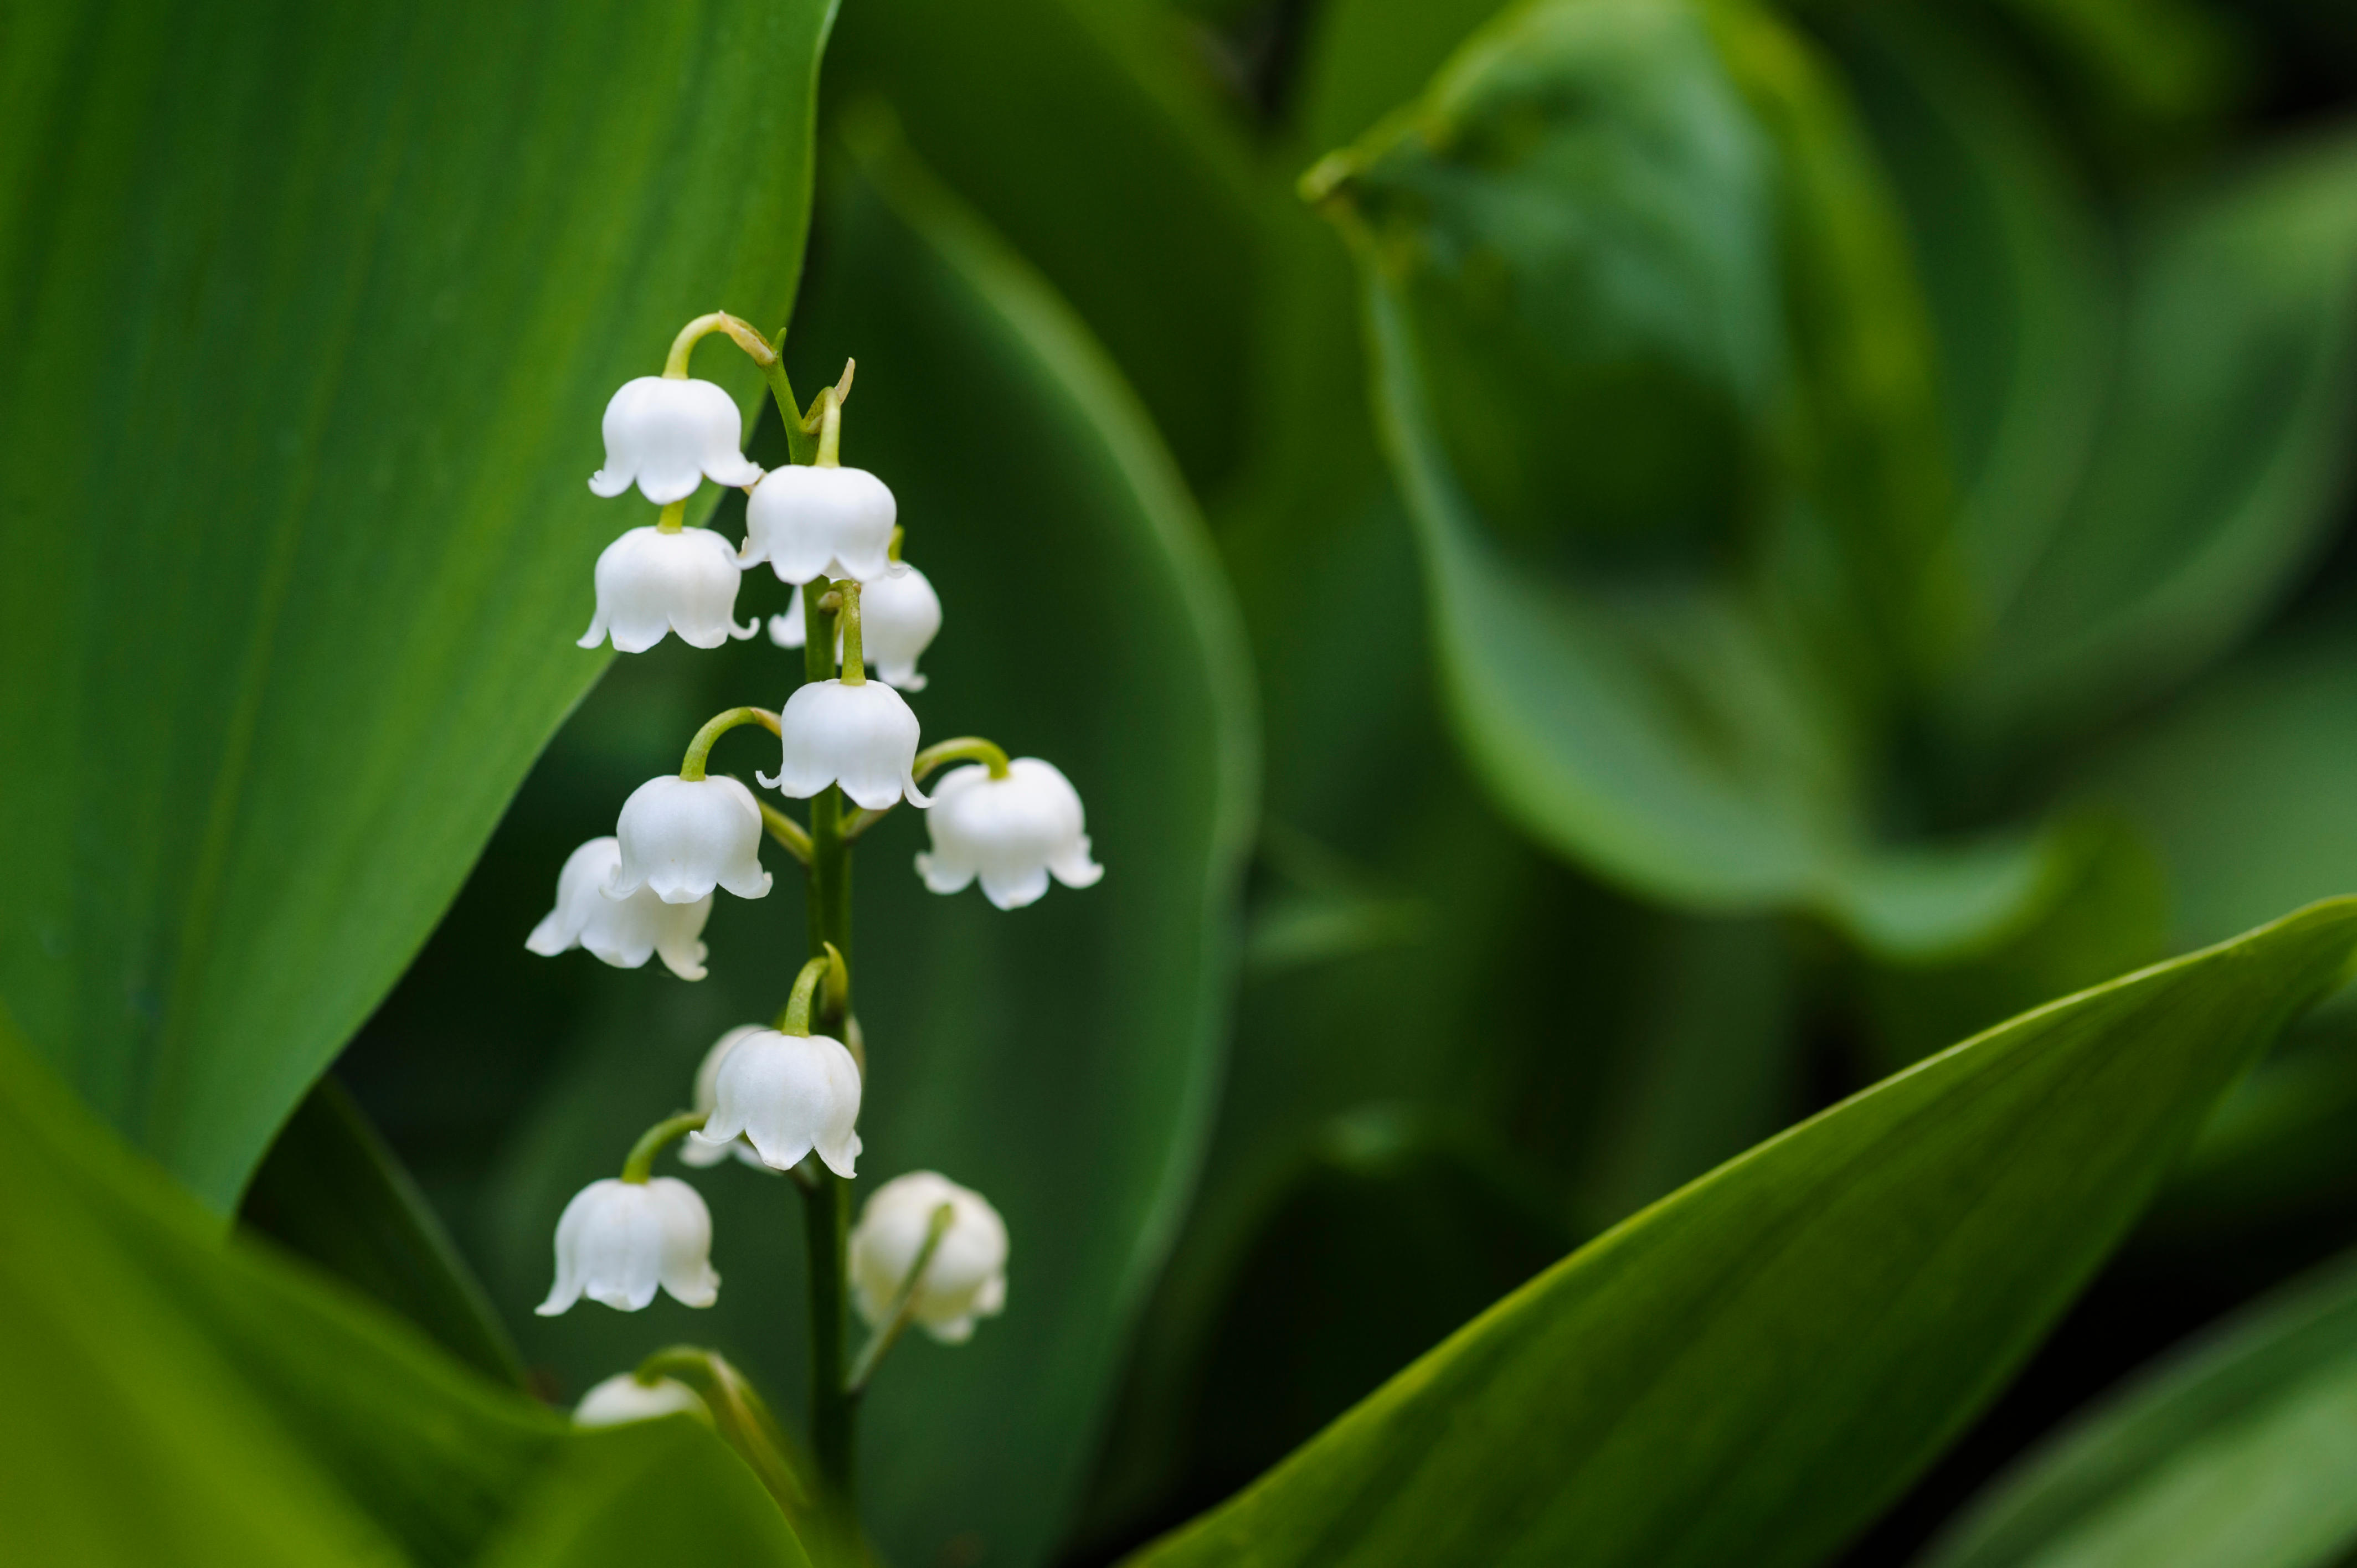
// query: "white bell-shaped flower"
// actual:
[[863, 737], [650, 582], [623, 932], [666, 434], [966, 1277], [706, 1096], [623, 1399], [683, 837], [900, 614], [789, 1094], [803, 517], [1012, 833], [617, 1240]]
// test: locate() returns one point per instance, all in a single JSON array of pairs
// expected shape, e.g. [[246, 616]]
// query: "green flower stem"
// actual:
[[654, 1140], [672, 519], [786, 830], [826, 1199], [828, 966], [854, 655], [801, 444], [675, 362], [904, 1305], [691, 767], [964, 749], [742, 1418]]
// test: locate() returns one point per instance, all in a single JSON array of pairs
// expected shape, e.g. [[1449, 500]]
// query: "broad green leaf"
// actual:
[[1660, 206], [184, 1399], [2239, 1452], [1750, 1369], [2215, 475], [1078, 131], [1060, 1058], [331, 1191], [309, 313]]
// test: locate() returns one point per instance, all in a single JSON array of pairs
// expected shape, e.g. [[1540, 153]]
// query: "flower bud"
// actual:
[[683, 837], [618, 1241], [863, 737], [1011, 833], [706, 1095], [622, 1397], [790, 1094], [667, 434], [803, 517], [621, 931], [650, 582], [966, 1277], [898, 615]]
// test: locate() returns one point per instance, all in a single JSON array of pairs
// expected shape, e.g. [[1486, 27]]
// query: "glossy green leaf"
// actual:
[[331, 1191], [2215, 475], [1060, 1058], [185, 1400], [2239, 1452], [1077, 129], [1603, 191], [1750, 1369], [309, 313]]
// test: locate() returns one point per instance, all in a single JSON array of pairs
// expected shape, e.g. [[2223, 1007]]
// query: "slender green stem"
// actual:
[[801, 444], [640, 1164], [828, 966], [785, 830], [742, 1418], [903, 1309], [691, 767], [892, 551], [854, 656], [964, 749], [672, 519], [675, 362]]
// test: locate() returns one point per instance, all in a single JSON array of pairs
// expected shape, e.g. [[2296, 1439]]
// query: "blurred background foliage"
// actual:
[[1671, 557]]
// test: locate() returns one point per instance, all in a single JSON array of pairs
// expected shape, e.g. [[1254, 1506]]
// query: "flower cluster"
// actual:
[[784, 1097]]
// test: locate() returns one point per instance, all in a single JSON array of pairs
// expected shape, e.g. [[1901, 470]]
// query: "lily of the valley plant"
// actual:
[[785, 1095]]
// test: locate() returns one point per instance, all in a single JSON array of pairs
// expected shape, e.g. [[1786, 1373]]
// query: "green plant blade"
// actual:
[[333, 1192], [2240, 1450], [1748, 1370], [311, 314], [190, 1401], [1058, 1059]]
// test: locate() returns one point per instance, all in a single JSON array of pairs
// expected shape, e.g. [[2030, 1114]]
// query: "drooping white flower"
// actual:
[[803, 517], [617, 1240], [666, 434], [966, 1277], [621, 932], [900, 614], [622, 1397], [683, 837], [707, 1095], [790, 1094], [863, 737], [650, 582], [1011, 833]]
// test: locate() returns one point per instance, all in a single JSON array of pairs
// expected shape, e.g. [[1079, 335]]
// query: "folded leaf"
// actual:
[[2239, 1452], [309, 314], [1749, 1369]]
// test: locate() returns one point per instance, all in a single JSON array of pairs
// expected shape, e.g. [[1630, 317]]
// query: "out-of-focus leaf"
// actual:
[[2220, 459], [179, 1399], [1058, 1059], [2243, 783], [333, 1192], [2150, 66], [309, 313], [1644, 188], [1076, 130], [1750, 1369], [2239, 1452]]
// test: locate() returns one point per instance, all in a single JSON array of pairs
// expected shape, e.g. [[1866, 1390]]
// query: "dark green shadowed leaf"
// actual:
[[1058, 1059], [333, 1192], [310, 313], [1750, 1369], [1660, 211], [179, 1399], [2239, 1452]]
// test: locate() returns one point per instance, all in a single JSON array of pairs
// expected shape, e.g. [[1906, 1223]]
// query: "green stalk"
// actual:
[[826, 1200]]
